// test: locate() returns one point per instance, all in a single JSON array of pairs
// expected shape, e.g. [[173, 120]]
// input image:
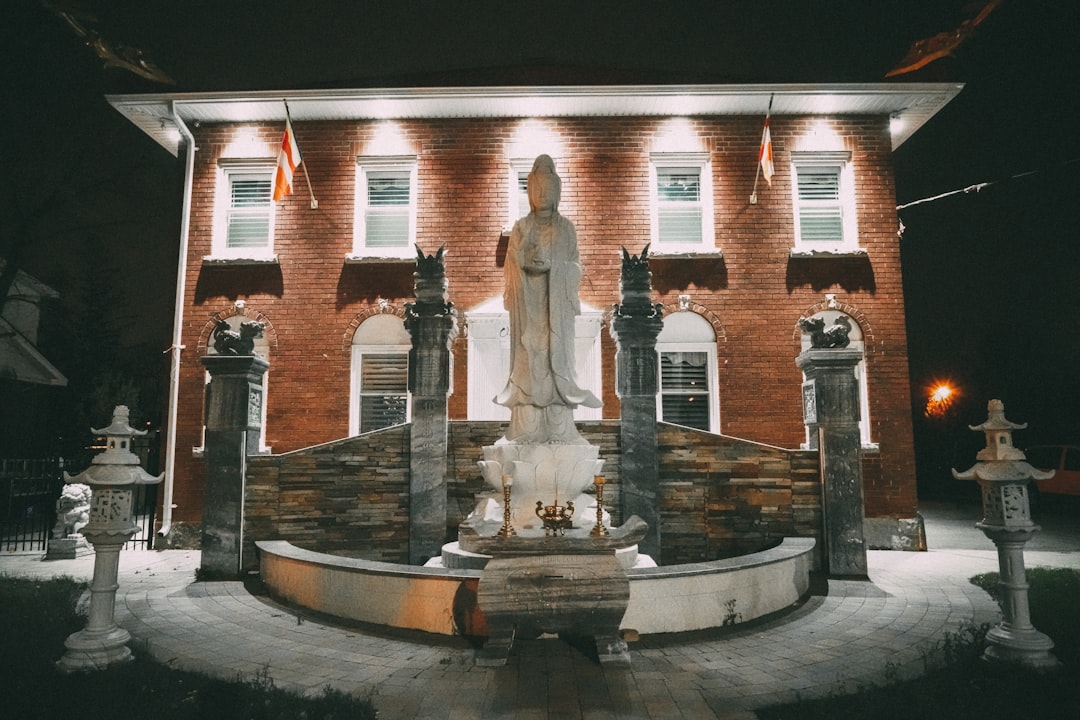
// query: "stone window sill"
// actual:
[[799, 253], [259, 260], [352, 259], [686, 255]]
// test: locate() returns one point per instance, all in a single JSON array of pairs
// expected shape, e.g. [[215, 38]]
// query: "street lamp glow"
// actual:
[[940, 399]]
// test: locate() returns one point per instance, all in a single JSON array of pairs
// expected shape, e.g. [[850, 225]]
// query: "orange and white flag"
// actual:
[[288, 159], [765, 153]]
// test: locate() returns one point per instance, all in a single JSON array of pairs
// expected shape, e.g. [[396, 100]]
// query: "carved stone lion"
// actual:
[[230, 342], [72, 510]]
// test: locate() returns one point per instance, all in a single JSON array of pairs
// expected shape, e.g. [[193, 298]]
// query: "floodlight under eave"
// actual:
[[896, 125]]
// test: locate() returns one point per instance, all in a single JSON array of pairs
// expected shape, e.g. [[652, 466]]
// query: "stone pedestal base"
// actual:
[[1026, 646], [584, 595], [558, 584], [68, 548], [95, 649]]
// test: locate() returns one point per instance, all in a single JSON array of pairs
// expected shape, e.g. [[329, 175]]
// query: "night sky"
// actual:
[[993, 293]]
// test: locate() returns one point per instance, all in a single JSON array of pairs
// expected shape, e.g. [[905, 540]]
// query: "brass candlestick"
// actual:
[[599, 530], [507, 529]]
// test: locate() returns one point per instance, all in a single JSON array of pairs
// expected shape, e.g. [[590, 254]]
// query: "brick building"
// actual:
[[672, 167]]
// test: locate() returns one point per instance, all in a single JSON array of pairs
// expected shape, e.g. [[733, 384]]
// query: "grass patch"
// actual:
[[968, 687], [40, 614]]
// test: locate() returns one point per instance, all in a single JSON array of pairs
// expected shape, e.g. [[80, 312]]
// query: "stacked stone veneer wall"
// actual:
[[719, 496]]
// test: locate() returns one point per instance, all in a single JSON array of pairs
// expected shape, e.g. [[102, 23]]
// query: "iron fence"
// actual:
[[29, 489]]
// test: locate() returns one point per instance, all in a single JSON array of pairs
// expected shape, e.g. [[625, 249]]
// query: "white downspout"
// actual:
[[178, 316]]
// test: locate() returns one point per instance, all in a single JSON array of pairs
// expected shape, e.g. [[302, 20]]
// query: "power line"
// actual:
[[979, 187]]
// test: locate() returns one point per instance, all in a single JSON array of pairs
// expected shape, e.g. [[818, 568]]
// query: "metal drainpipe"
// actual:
[[178, 314]]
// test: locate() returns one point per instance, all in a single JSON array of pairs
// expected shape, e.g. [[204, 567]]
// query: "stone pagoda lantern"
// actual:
[[1003, 474], [112, 477]]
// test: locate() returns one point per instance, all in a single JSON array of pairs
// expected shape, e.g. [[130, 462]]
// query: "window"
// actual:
[[244, 221], [855, 342], [380, 375], [681, 191], [488, 339], [385, 207], [518, 189], [687, 350], [824, 203]]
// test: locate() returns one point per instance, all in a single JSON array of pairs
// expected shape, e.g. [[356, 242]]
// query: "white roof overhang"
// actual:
[[911, 105]]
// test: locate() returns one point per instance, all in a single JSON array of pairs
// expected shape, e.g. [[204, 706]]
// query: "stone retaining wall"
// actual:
[[719, 496]]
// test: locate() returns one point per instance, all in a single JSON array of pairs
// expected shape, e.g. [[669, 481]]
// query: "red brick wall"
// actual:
[[312, 299]]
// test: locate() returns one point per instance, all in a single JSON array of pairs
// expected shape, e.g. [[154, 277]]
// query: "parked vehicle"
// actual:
[[1064, 460]]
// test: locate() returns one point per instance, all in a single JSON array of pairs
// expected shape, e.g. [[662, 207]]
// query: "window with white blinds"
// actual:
[[243, 211], [688, 395], [681, 190], [824, 202], [684, 389], [518, 189], [250, 207], [386, 207], [821, 217], [678, 204], [379, 387], [384, 390]]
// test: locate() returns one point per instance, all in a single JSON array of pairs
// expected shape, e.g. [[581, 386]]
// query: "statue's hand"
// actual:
[[538, 266]]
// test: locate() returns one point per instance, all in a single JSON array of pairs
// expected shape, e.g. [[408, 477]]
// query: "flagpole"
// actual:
[[757, 173], [303, 165]]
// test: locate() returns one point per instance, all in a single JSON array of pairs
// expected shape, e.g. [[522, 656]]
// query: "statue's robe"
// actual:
[[543, 307]]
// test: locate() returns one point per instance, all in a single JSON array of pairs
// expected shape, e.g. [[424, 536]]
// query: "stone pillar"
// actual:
[[636, 323], [432, 323], [831, 410], [234, 401]]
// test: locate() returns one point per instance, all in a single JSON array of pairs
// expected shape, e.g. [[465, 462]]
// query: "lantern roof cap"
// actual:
[[996, 420]]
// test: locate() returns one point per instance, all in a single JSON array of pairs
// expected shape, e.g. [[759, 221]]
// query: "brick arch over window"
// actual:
[[269, 333], [704, 312], [266, 345], [851, 311], [360, 317]]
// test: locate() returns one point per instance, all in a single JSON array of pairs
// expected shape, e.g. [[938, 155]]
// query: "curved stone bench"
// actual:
[[676, 598]]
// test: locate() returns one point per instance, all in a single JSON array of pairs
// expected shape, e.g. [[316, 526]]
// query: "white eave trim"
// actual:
[[910, 104]]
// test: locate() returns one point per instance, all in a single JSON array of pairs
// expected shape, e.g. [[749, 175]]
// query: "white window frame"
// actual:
[[703, 163], [841, 162], [515, 211], [228, 169], [393, 346], [695, 342], [488, 356], [364, 166]]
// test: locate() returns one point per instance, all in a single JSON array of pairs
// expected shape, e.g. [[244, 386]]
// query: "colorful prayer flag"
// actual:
[[288, 160], [765, 153]]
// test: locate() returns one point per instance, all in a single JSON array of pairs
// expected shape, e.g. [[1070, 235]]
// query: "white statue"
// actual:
[[542, 275], [72, 510]]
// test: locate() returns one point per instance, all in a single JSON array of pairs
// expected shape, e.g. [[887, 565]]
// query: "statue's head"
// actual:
[[544, 186]]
